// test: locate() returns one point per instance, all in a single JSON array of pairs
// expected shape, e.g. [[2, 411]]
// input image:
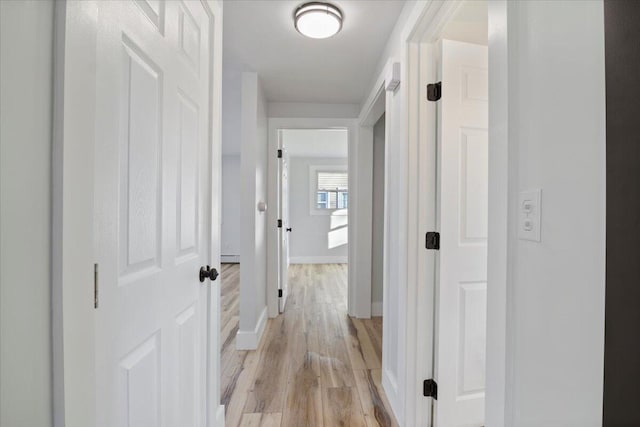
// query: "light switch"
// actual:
[[529, 215]]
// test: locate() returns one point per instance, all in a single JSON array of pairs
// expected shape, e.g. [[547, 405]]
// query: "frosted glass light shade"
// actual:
[[318, 20]]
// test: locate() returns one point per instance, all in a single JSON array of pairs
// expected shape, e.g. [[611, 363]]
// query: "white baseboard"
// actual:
[[230, 259], [249, 340], [319, 259], [376, 309], [220, 416], [390, 387]]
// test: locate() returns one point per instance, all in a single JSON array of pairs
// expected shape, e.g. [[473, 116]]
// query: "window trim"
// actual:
[[313, 188]]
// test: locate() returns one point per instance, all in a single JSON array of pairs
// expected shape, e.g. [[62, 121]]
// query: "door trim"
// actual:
[[73, 317], [72, 213]]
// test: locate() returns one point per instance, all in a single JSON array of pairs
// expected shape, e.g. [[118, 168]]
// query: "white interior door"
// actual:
[[153, 213], [462, 260], [285, 230]]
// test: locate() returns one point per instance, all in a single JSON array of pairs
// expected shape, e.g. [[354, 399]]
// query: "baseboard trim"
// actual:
[[249, 340], [390, 388], [319, 260], [376, 309], [230, 259]]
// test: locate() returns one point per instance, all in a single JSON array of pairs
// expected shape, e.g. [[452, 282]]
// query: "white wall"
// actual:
[[231, 142], [314, 110], [556, 142], [253, 181], [231, 110], [377, 241], [25, 288], [309, 241], [231, 191]]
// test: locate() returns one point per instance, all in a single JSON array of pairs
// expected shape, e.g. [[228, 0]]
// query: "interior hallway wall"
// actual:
[[231, 225], [377, 243], [309, 241], [556, 142], [308, 110], [231, 144], [253, 233], [26, 85]]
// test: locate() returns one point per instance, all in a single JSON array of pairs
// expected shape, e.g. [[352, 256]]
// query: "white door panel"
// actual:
[[283, 209], [152, 204], [462, 260]]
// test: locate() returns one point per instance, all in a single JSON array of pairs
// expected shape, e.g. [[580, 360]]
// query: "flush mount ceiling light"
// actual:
[[318, 20]]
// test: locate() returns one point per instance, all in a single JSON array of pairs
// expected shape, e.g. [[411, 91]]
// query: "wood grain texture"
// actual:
[[342, 407], [260, 420], [315, 366]]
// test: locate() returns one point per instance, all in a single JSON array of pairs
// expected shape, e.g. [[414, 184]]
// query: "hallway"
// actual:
[[315, 366]]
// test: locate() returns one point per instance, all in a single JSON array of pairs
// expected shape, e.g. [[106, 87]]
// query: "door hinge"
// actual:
[[95, 285], [279, 293], [430, 389], [279, 154], [434, 91], [433, 240], [279, 223]]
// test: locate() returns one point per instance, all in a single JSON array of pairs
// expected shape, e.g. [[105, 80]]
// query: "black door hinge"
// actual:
[[430, 389], [433, 240], [279, 223], [279, 293], [279, 154], [434, 91]]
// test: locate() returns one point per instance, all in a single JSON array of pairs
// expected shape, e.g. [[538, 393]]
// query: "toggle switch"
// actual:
[[528, 224]]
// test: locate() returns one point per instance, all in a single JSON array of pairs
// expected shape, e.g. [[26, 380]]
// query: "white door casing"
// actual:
[[283, 210], [153, 213], [461, 287]]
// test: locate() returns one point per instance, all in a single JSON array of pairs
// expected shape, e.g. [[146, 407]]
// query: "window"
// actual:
[[332, 190]]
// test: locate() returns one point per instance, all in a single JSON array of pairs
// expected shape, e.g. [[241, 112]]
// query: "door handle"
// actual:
[[208, 273], [289, 230]]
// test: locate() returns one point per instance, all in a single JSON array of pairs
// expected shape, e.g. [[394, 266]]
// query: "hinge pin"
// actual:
[[95, 285]]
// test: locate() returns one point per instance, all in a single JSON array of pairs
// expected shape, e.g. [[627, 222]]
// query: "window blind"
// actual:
[[331, 181]]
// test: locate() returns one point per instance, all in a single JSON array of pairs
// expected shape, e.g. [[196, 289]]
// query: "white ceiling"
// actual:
[[259, 36], [316, 142]]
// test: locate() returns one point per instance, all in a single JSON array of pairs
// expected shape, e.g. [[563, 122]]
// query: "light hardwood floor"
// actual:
[[315, 366]]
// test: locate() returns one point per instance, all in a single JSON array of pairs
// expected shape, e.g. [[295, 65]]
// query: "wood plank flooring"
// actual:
[[315, 366]]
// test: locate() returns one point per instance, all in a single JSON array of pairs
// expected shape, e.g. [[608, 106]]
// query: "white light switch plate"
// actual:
[[529, 218]]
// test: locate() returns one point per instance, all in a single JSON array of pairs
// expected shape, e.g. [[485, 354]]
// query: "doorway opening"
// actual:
[[377, 217], [315, 364], [453, 184], [313, 203]]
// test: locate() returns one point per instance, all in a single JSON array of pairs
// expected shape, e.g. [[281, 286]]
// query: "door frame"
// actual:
[[354, 257], [421, 264], [73, 316]]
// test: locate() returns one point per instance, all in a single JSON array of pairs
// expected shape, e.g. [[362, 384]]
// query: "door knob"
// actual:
[[288, 230], [210, 273]]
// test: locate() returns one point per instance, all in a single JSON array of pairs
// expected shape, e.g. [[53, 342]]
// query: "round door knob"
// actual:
[[208, 273]]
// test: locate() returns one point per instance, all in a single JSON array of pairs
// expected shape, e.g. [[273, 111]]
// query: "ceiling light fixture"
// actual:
[[318, 20]]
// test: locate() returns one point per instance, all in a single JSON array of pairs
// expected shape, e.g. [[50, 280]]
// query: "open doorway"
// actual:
[[377, 217], [313, 202], [315, 364]]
